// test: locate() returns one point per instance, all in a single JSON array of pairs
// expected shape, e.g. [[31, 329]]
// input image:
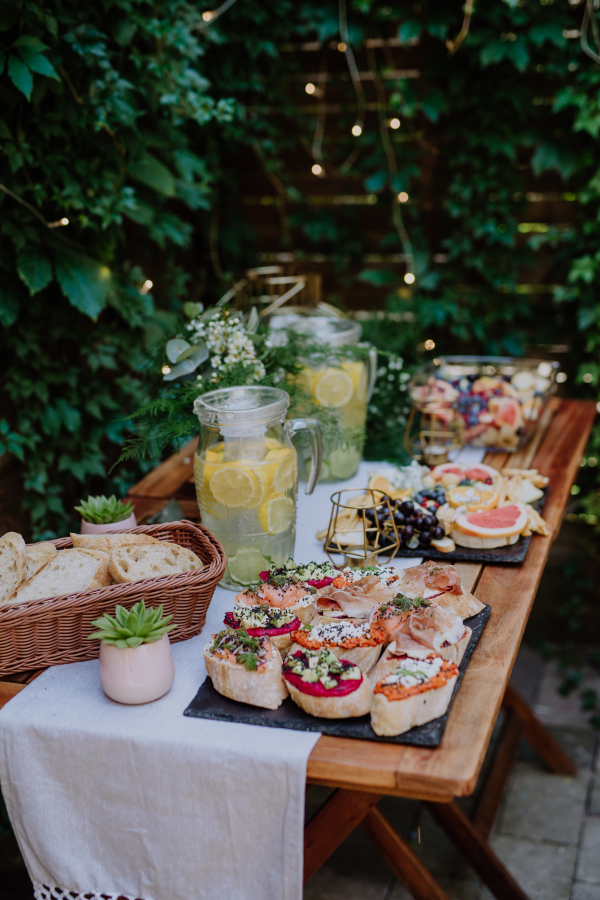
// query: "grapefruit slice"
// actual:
[[502, 522], [480, 472], [506, 411], [447, 468]]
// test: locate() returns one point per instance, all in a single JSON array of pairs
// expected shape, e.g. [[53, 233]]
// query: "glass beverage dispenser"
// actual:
[[246, 475]]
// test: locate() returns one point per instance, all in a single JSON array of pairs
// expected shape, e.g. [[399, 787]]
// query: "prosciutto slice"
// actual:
[[357, 598], [405, 644], [420, 580], [433, 627]]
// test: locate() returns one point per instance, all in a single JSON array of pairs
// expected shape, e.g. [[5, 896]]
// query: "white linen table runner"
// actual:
[[146, 803]]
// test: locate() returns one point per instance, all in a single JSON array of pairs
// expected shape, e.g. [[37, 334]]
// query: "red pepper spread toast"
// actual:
[[359, 643]]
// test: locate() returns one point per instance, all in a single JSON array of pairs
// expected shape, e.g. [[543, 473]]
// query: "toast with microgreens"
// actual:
[[415, 692], [358, 642], [245, 668], [280, 592], [265, 621], [325, 686]]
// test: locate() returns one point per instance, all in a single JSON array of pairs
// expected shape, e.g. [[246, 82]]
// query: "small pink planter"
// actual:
[[90, 528], [137, 674]]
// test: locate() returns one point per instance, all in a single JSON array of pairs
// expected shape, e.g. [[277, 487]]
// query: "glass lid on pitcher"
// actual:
[[330, 331], [242, 405]]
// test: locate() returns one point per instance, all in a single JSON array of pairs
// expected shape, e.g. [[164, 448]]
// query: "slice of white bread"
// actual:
[[358, 703], [37, 557], [108, 542], [139, 561], [12, 564], [261, 687], [392, 717], [70, 572], [464, 605]]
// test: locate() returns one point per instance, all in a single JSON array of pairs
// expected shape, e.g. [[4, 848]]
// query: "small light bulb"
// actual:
[[310, 88], [394, 123], [342, 47], [592, 461], [588, 377], [316, 169], [356, 130], [409, 278], [208, 15], [561, 377], [429, 345], [148, 284], [403, 197], [165, 370], [64, 221]]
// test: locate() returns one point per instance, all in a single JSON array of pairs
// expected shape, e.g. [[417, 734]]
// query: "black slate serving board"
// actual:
[[208, 704], [506, 556]]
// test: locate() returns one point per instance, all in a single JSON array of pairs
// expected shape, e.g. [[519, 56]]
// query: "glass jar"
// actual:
[[246, 475], [337, 381]]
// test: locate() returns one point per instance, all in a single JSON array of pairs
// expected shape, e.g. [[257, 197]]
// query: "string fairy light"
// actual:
[[344, 46], [147, 286], [356, 130], [310, 88], [165, 370], [211, 15], [410, 279], [317, 169], [395, 124], [429, 345]]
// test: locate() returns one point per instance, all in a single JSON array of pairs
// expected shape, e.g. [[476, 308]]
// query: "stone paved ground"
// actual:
[[547, 833], [548, 830]]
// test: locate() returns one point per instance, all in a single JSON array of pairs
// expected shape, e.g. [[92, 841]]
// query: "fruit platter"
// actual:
[[372, 653], [454, 511], [497, 400]]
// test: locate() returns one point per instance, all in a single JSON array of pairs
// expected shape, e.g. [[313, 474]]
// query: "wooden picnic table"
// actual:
[[361, 772]]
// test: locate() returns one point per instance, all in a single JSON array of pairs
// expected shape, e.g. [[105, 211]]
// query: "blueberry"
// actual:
[[407, 507]]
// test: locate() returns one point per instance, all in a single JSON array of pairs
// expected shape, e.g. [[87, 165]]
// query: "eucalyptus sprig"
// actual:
[[132, 628]]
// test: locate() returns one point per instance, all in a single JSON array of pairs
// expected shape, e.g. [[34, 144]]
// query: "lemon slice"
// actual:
[[284, 477], [246, 566], [235, 487], [334, 389], [276, 514]]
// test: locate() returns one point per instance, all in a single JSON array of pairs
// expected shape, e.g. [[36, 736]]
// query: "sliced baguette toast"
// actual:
[[108, 542], [37, 557], [12, 564], [393, 717], [70, 572], [262, 687], [137, 562], [358, 703]]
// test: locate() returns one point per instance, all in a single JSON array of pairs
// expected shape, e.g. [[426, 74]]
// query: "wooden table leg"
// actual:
[[476, 851], [536, 734], [416, 878], [333, 822], [491, 795]]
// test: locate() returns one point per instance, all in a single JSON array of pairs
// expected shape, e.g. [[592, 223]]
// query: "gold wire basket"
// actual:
[[355, 529]]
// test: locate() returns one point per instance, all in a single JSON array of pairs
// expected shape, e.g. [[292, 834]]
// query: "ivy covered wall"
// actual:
[[181, 150]]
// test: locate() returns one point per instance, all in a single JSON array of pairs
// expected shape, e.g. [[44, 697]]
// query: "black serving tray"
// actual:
[[208, 704]]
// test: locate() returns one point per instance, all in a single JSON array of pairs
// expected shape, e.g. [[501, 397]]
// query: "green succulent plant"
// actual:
[[104, 510], [132, 628]]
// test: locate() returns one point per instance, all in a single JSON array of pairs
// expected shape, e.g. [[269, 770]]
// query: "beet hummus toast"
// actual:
[[359, 643], [323, 685], [245, 668], [265, 621], [281, 593], [415, 692]]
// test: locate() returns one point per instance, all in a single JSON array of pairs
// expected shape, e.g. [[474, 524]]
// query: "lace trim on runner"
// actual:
[[44, 892]]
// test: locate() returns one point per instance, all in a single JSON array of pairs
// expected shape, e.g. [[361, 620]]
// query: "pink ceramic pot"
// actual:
[[123, 525], [137, 674]]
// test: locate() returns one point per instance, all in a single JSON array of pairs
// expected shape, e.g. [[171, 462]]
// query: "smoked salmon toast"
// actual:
[[281, 594]]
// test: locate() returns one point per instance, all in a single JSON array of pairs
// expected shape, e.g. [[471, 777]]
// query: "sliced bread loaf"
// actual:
[[37, 557], [12, 563], [137, 562], [69, 572], [108, 542]]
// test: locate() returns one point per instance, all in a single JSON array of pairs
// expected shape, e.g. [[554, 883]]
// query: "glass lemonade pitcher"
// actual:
[[338, 377], [246, 475]]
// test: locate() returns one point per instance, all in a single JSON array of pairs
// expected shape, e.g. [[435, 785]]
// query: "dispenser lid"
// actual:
[[330, 331], [242, 405]]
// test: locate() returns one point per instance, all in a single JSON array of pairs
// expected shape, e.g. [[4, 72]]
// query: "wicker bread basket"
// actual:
[[49, 632]]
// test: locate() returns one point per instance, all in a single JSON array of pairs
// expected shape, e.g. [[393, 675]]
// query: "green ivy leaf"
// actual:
[[410, 30], [41, 65], [20, 75], [34, 269], [84, 281], [154, 174], [379, 276], [547, 31], [9, 304], [28, 40]]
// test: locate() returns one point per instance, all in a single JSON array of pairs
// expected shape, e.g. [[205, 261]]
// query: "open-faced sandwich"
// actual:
[[281, 593], [353, 597], [423, 625], [357, 642], [323, 685], [441, 583], [415, 692], [244, 668], [265, 621]]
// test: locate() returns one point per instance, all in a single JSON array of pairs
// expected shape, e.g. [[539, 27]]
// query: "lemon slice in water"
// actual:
[[276, 514], [283, 480], [247, 564], [235, 487], [334, 389]]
